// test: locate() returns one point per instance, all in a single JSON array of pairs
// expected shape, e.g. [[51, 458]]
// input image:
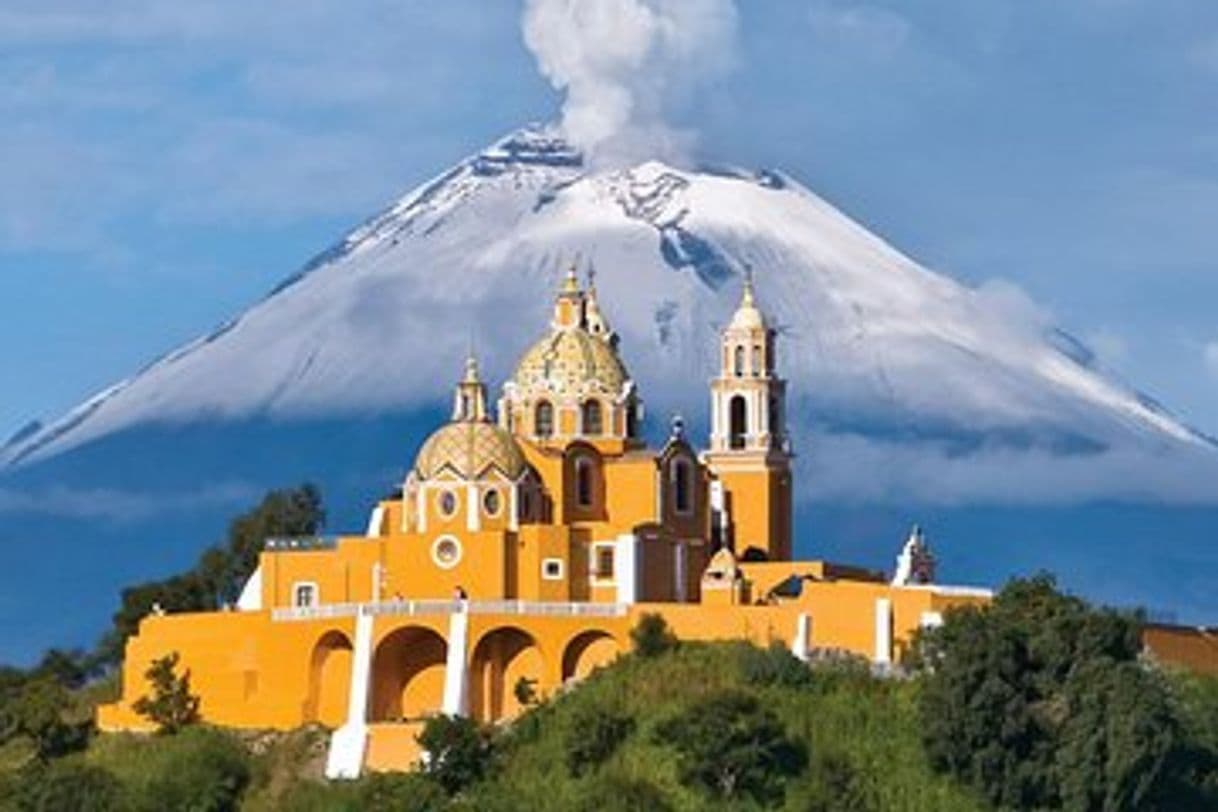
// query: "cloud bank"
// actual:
[[624, 63]]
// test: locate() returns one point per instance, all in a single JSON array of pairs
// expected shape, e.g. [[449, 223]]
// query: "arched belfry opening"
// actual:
[[738, 421]]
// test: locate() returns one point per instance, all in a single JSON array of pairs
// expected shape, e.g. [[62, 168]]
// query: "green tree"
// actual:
[[68, 784], [38, 711], [731, 747], [651, 636], [1021, 699], [457, 751], [171, 706], [222, 569], [593, 734]]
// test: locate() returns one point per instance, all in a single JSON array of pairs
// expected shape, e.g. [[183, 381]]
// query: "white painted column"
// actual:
[[420, 505], [456, 677], [514, 506], [883, 631], [472, 517], [346, 756], [801, 646], [374, 521], [626, 568]]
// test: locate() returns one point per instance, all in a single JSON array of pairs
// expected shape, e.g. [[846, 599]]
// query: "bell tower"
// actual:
[[749, 453]]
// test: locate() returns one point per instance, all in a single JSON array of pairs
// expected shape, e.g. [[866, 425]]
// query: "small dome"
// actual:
[[469, 449], [748, 316], [571, 362]]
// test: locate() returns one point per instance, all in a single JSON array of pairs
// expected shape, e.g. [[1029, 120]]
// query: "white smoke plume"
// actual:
[[624, 63]]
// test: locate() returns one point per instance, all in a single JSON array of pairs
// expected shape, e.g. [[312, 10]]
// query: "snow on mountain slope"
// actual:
[[903, 380]]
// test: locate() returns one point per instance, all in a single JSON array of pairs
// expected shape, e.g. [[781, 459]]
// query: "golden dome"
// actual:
[[571, 362], [470, 449]]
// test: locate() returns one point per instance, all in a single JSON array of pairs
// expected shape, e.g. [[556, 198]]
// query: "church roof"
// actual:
[[470, 450], [571, 361]]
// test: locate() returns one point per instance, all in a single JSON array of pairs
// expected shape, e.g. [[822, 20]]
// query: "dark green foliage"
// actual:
[[221, 571], [775, 665], [171, 705], [593, 735], [612, 792], [38, 712], [67, 784], [1038, 701], [401, 792], [832, 785], [651, 636], [730, 746], [205, 770], [458, 751], [1192, 767], [525, 691]]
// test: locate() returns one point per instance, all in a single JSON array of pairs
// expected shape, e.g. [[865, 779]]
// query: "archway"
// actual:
[[502, 659], [408, 674], [329, 680], [586, 652], [737, 421]]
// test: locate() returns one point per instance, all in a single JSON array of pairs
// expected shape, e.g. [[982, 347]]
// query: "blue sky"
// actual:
[[162, 165]]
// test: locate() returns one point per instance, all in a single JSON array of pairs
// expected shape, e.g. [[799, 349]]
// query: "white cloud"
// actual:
[[120, 505], [622, 62]]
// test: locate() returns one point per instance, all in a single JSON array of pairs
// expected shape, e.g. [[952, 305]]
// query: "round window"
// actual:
[[490, 502], [448, 503], [446, 552]]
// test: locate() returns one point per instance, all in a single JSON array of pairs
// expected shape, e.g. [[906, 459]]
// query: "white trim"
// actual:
[[801, 646], [435, 549], [421, 508], [456, 689], [883, 631], [514, 506], [296, 586], [545, 563], [251, 593], [345, 758], [374, 521], [625, 568]]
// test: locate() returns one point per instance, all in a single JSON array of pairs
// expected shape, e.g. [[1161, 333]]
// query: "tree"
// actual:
[[222, 569], [38, 712], [593, 734], [525, 691], [651, 636], [731, 747], [457, 751], [1039, 700], [66, 784], [172, 706]]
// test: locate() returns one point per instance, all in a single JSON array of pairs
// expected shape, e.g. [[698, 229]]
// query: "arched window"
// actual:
[[590, 417], [584, 482], [632, 419], [682, 486], [543, 419], [775, 417], [738, 421], [738, 361], [756, 360]]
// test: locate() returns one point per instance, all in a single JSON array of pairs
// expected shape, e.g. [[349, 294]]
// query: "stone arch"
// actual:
[[502, 657], [329, 679], [588, 651], [408, 674]]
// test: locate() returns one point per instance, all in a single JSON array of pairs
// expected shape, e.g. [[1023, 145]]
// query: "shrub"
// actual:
[[775, 665], [593, 735], [611, 792], [67, 784], [172, 706], [200, 770], [731, 747], [651, 636], [457, 751], [38, 712], [401, 792], [1038, 700]]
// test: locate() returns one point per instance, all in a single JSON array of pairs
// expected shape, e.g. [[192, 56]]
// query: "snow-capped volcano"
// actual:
[[902, 379]]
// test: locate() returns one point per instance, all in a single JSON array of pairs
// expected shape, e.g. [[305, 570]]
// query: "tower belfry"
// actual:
[[748, 442]]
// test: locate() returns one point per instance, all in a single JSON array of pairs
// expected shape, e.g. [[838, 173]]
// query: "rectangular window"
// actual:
[[604, 562], [551, 569], [304, 595]]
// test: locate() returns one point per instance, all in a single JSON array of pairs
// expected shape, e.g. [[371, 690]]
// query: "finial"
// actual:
[[678, 427], [571, 282], [747, 298], [471, 367], [591, 278]]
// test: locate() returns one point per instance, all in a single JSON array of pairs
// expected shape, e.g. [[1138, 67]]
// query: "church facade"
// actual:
[[524, 545]]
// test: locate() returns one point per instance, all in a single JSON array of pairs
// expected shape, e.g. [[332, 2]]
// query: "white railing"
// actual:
[[412, 608]]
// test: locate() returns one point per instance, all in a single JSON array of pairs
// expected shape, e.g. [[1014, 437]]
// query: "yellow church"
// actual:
[[525, 544]]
